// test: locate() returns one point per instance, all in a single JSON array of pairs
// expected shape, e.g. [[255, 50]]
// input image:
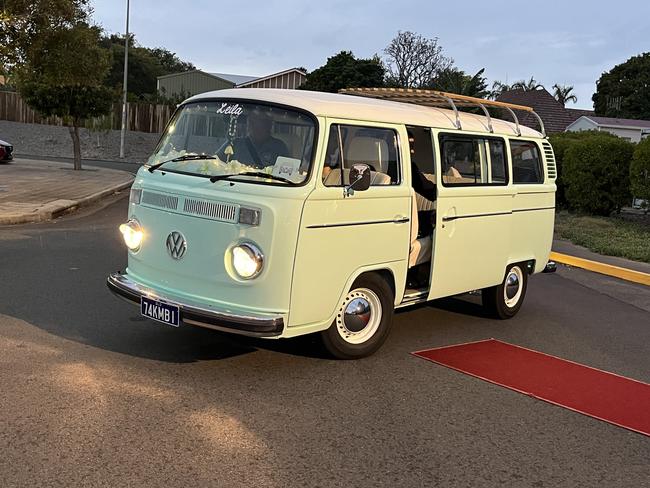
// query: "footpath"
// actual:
[[36, 190]]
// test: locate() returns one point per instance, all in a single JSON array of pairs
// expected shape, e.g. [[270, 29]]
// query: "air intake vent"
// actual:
[[225, 212], [550, 160], [160, 200]]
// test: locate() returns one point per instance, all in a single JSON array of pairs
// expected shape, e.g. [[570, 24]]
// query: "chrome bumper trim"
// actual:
[[272, 326]]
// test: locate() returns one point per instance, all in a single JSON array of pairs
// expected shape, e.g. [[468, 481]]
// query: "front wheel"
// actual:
[[363, 319], [504, 301]]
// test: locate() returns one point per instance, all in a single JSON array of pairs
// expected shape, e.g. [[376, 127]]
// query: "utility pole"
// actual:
[[126, 74]]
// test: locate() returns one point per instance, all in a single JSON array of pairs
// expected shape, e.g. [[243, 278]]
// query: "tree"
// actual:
[[625, 90], [62, 75], [22, 21], [454, 80], [527, 85], [562, 94], [413, 61], [145, 66], [596, 173], [345, 71], [640, 172], [498, 88]]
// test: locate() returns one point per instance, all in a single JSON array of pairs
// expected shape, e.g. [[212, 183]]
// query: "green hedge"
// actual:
[[640, 171], [561, 142], [595, 173]]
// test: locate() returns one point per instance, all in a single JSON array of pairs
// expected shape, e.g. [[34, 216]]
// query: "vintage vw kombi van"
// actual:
[[277, 213]]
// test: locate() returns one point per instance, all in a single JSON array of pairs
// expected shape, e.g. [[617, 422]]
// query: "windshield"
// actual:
[[219, 138]]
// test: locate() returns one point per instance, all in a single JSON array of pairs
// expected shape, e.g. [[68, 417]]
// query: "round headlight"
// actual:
[[247, 260], [132, 234]]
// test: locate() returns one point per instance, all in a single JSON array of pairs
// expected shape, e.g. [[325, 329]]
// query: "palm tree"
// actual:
[[563, 94], [498, 88], [530, 85]]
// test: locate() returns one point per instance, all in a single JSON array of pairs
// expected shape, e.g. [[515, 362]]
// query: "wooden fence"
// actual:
[[143, 117]]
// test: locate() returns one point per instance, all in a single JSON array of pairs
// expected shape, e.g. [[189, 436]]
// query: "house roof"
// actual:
[[614, 122], [268, 77], [556, 118], [362, 108], [576, 113]]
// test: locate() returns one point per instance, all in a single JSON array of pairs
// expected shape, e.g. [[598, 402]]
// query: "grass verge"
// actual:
[[612, 236]]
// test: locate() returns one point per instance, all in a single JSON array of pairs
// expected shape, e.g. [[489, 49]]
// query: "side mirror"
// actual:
[[359, 178]]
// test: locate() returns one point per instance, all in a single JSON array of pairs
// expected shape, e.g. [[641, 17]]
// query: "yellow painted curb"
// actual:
[[602, 268]]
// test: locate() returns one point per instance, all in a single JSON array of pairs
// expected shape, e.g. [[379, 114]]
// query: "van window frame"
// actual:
[[398, 150], [310, 115], [445, 136], [540, 159]]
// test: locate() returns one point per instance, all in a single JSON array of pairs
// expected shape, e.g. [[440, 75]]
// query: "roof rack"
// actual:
[[434, 98]]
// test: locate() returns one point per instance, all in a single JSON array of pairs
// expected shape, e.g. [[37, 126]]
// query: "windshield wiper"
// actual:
[[254, 173], [187, 157]]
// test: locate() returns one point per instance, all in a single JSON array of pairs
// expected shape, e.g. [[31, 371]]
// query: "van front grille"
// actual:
[[160, 200], [550, 160], [225, 212]]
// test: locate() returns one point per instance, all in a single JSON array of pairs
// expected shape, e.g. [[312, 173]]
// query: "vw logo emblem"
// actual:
[[176, 245]]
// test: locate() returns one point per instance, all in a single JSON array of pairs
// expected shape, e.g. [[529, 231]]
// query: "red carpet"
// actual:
[[599, 394]]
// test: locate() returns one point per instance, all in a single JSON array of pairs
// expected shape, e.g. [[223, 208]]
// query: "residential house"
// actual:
[[628, 129], [555, 116]]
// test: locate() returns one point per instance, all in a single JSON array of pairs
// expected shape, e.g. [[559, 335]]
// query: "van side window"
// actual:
[[465, 161], [526, 163], [348, 145]]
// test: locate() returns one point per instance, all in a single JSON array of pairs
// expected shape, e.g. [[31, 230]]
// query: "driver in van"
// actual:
[[259, 148]]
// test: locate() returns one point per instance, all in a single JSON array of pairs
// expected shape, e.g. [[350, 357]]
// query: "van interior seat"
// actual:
[[368, 150], [334, 178], [421, 248], [424, 204]]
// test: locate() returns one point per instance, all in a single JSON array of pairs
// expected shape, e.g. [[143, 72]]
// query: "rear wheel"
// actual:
[[363, 319], [504, 301]]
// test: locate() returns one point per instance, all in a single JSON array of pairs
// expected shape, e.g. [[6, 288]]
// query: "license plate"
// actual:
[[162, 312]]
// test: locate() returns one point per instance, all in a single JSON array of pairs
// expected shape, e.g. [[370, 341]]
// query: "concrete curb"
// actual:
[[602, 268], [56, 208]]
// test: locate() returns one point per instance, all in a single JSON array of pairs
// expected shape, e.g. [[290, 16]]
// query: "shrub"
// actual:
[[596, 173], [640, 172], [561, 142]]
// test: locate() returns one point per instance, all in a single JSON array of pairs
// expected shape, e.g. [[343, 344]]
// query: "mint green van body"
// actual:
[[292, 253]]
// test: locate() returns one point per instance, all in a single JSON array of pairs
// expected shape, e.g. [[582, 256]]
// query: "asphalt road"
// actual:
[[93, 395]]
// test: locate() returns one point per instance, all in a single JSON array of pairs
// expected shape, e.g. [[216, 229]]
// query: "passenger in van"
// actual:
[[426, 189], [259, 148]]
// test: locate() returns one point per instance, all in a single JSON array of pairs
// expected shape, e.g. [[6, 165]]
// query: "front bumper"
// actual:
[[250, 325]]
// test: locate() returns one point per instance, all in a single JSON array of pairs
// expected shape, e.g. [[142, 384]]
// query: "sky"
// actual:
[[569, 42]]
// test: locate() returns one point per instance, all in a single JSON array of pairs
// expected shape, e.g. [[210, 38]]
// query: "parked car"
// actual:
[[6, 151]]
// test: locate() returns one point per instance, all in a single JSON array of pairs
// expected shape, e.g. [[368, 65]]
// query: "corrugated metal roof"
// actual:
[[236, 79], [279, 73]]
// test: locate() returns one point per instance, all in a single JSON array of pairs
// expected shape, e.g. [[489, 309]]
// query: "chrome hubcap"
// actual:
[[359, 316], [356, 314], [512, 288]]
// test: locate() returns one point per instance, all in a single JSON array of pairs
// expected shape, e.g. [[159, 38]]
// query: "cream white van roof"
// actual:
[[369, 109]]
